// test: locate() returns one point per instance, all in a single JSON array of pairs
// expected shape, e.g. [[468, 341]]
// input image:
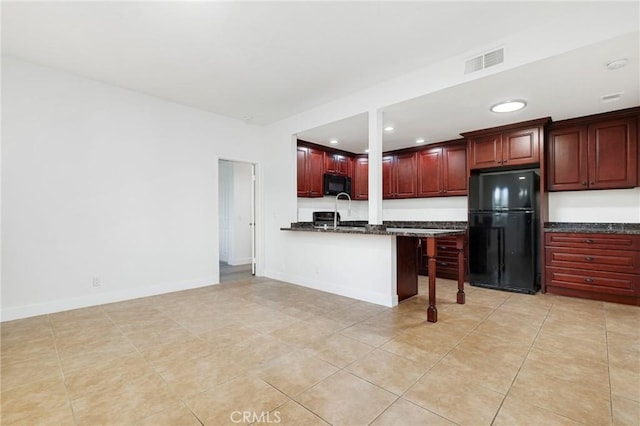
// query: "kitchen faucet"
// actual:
[[335, 209]]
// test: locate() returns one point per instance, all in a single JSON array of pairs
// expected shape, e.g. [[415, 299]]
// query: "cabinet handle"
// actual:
[[588, 280], [445, 191], [505, 161], [442, 247], [588, 258], [588, 241], [592, 183], [442, 263], [584, 183]]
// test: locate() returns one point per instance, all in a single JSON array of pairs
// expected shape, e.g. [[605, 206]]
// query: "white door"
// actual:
[[237, 229]]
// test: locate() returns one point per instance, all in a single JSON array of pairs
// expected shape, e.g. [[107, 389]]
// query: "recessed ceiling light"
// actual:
[[333, 141], [509, 106], [420, 140], [366, 150], [389, 129], [617, 64]]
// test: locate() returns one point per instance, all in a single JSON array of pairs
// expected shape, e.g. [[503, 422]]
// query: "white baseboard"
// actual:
[[359, 294], [17, 312]]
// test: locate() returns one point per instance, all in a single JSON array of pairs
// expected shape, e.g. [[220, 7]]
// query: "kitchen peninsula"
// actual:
[[402, 243]]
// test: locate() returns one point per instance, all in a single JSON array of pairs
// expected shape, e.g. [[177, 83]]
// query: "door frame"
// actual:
[[254, 214]]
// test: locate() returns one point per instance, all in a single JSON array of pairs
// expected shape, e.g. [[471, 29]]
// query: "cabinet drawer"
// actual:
[[603, 241], [594, 281], [594, 259], [447, 257]]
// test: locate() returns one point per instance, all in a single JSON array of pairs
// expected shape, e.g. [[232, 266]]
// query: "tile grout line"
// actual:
[[606, 341], [64, 379], [522, 363]]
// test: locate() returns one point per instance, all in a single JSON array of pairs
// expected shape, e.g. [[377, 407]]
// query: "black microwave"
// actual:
[[335, 184]]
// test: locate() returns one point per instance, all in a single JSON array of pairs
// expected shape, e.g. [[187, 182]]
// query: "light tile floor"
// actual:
[[263, 351]]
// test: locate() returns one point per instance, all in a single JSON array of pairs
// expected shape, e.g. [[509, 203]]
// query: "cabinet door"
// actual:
[[405, 175], [521, 147], [342, 165], [336, 164], [567, 161], [330, 163], [485, 151], [388, 179], [430, 172], [303, 185], [315, 167], [613, 154], [454, 170], [361, 179]]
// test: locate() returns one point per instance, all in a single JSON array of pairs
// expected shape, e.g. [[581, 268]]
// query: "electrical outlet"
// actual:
[[96, 281]]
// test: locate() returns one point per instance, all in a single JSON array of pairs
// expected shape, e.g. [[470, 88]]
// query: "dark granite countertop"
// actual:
[[600, 228], [403, 229]]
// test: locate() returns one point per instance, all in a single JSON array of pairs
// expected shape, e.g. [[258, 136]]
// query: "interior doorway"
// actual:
[[236, 203]]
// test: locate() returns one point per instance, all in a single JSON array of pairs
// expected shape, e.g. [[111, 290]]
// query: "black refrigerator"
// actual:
[[503, 230]]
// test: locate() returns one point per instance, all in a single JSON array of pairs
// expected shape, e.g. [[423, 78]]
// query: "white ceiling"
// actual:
[[264, 61]]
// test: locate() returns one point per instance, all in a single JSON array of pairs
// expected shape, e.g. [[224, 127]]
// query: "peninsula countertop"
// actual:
[[367, 229], [409, 237]]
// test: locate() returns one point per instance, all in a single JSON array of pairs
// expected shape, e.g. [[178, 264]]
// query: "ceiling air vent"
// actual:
[[486, 60]]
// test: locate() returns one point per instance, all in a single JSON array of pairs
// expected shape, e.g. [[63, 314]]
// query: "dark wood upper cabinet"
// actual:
[[593, 153], [360, 182], [387, 176], [302, 171], [310, 172], [513, 145], [567, 159], [612, 154], [485, 151], [442, 171], [455, 169], [399, 175], [405, 175], [430, 171], [521, 146], [338, 164]]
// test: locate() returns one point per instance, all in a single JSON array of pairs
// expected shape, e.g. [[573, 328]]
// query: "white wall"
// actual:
[[306, 207], [337, 263], [103, 182], [616, 205], [420, 209], [426, 209]]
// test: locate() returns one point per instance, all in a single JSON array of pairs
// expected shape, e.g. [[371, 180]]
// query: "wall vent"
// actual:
[[483, 61]]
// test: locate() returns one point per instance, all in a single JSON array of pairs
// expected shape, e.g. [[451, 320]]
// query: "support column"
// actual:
[[375, 167]]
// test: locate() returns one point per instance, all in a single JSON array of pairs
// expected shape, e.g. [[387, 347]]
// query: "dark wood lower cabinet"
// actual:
[[407, 267], [408, 252], [593, 266], [446, 259]]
